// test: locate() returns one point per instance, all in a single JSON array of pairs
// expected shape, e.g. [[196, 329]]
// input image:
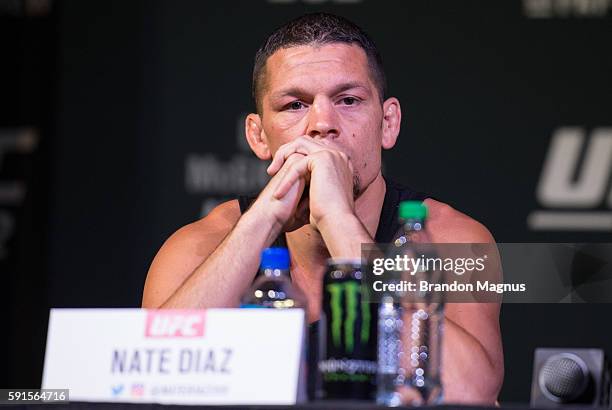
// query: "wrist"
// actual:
[[262, 222], [336, 221], [343, 234]]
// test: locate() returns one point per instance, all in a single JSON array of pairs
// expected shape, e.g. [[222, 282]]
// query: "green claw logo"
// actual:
[[352, 293]]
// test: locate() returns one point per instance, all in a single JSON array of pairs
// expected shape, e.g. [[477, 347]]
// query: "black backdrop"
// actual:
[[142, 135]]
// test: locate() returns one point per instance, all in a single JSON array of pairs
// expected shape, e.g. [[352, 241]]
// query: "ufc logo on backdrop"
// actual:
[[575, 190], [175, 323], [566, 8]]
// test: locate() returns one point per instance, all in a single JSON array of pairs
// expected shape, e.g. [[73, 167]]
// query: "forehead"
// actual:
[[315, 65]]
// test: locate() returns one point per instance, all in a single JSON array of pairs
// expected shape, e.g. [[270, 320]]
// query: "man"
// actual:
[[322, 118]]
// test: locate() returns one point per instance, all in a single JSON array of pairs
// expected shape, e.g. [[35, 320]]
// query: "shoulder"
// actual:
[[221, 219], [185, 250], [448, 225], [223, 216]]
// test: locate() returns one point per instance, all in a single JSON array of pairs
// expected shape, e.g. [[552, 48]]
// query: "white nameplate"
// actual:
[[214, 356]]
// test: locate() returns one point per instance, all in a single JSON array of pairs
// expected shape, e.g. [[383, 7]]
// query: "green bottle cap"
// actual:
[[412, 210]]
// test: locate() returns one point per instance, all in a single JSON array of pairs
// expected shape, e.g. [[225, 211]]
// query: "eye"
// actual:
[[295, 105], [349, 101]]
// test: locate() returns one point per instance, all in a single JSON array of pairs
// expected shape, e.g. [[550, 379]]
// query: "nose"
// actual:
[[322, 119]]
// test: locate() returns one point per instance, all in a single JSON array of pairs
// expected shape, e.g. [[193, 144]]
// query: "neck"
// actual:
[[368, 205]]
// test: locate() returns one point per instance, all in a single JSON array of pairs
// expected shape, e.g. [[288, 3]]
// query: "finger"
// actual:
[[298, 170], [292, 176], [290, 160], [284, 152], [301, 145]]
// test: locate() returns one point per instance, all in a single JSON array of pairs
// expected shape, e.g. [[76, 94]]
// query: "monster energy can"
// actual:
[[347, 335]]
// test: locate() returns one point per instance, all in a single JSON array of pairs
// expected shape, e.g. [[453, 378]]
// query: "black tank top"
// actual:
[[388, 224]]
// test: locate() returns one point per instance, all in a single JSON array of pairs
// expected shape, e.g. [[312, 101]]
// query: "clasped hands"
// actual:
[[307, 164]]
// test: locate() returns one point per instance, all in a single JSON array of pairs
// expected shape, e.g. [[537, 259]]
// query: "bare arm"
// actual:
[[473, 362], [226, 274], [335, 238], [175, 278], [212, 262]]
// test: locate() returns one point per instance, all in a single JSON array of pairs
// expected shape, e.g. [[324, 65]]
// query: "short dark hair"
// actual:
[[317, 29]]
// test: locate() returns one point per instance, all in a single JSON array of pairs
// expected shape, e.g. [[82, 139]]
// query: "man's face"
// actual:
[[328, 94]]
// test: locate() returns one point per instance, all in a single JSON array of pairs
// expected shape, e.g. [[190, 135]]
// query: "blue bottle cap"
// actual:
[[275, 258]]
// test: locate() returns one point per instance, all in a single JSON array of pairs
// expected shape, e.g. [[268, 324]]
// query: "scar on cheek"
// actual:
[[365, 164]]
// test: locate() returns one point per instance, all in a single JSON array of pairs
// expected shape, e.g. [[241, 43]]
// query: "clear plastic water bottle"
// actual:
[[389, 348], [410, 324], [423, 315], [273, 287]]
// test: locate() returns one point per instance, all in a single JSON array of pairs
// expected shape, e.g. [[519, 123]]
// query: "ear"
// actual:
[[392, 118], [256, 136]]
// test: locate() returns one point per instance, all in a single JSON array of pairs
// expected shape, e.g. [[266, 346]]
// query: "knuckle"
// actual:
[[293, 163], [288, 167], [294, 157], [280, 150], [327, 154], [297, 143]]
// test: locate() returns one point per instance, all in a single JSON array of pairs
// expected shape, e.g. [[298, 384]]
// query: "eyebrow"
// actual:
[[298, 91]]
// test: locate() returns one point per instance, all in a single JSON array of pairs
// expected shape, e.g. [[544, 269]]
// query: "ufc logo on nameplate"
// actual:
[[175, 323], [576, 192]]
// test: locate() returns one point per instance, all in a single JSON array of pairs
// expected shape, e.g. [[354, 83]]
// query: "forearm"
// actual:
[[227, 273], [469, 373], [344, 235]]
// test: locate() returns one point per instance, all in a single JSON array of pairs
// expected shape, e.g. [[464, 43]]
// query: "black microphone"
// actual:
[[570, 376], [564, 377]]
